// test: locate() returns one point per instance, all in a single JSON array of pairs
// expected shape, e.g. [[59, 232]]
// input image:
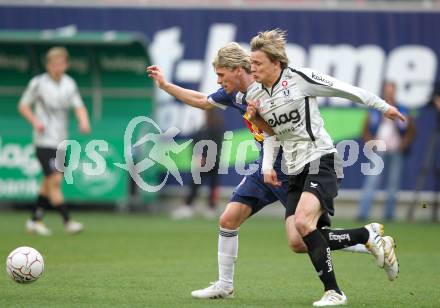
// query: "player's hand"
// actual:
[[252, 110], [393, 114], [84, 128], [155, 72], [38, 127], [270, 177]]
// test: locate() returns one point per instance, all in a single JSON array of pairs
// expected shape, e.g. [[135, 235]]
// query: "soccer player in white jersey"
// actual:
[[232, 66], [287, 101], [52, 94]]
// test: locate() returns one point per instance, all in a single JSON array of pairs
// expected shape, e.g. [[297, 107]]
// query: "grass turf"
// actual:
[[143, 261]]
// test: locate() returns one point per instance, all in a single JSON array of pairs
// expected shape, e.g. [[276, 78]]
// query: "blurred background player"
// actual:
[[52, 93], [397, 136], [212, 130]]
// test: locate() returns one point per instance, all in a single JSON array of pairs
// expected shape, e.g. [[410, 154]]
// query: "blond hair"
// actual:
[[273, 44], [56, 52], [232, 56]]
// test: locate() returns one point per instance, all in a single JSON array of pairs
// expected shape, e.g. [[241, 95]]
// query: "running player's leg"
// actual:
[[250, 196], [42, 201], [306, 218], [55, 194], [230, 221], [35, 224], [324, 185], [57, 200]]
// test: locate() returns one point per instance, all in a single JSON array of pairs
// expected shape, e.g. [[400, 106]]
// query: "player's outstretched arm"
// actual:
[[187, 96], [394, 114]]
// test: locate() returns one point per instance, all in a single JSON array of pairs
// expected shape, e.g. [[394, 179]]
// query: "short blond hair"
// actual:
[[232, 56], [273, 44], [56, 52]]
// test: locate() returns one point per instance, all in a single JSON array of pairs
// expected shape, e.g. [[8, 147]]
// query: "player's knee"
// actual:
[[303, 225], [297, 246], [54, 181], [228, 222]]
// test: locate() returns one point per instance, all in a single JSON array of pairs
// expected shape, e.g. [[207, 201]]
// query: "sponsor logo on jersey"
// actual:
[[286, 92], [321, 79], [292, 117]]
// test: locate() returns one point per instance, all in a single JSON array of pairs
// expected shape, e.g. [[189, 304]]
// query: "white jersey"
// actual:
[[52, 102], [291, 109]]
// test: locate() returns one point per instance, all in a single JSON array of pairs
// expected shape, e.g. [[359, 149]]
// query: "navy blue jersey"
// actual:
[[237, 100]]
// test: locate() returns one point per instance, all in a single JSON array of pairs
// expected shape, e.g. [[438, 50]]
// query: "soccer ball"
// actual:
[[25, 265]]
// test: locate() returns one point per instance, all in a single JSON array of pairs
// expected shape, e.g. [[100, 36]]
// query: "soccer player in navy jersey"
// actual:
[[232, 66]]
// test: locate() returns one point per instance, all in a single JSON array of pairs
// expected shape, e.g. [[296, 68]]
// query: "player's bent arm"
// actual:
[[187, 96], [83, 119], [271, 147], [254, 117], [26, 111], [263, 125]]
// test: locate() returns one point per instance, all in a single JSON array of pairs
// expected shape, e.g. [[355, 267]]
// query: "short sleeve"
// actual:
[[221, 99], [30, 94]]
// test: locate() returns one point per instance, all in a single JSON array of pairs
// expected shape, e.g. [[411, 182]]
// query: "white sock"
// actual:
[[357, 248], [227, 255]]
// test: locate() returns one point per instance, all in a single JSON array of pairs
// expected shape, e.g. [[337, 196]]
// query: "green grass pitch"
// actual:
[[143, 261]]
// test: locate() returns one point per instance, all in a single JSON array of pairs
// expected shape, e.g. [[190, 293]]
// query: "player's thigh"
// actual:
[[294, 239], [234, 215], [307, 213]]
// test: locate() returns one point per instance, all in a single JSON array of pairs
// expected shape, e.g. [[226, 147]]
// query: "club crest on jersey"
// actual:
[[292, 117], [284, 83]]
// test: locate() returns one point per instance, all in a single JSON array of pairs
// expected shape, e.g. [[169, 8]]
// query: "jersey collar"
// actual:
[[274, 85]]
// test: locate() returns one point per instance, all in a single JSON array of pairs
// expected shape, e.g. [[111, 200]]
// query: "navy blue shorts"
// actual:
[[253, 192]]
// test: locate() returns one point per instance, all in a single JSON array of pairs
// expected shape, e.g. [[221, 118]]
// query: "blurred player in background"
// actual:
[[397, 136], [286, 99], [212, 130], [52, 94], [232, 66]]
